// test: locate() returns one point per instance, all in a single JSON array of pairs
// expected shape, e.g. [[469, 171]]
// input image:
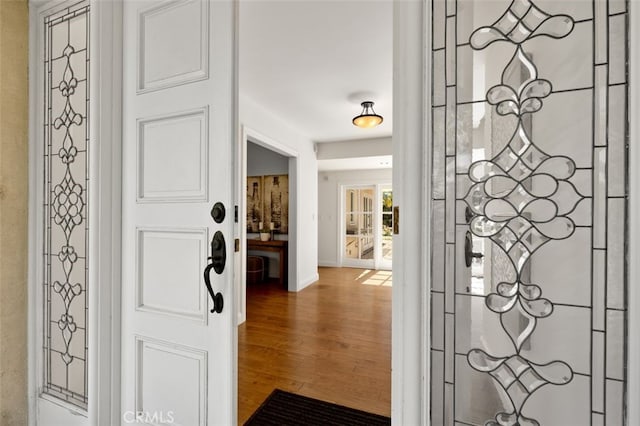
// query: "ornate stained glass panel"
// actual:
[[66, 178], [529, 200]]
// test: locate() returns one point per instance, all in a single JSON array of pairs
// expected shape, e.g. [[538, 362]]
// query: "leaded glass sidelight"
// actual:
[[529, 112], [66, 177]]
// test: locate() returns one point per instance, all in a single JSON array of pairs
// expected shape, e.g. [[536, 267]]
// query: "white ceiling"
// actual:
[[304, 60]]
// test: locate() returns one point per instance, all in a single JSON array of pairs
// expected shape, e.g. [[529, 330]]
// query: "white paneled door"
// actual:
[[178, 119]]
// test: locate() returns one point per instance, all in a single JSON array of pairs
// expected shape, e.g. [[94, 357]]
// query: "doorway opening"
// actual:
[[329, 336], [267, 204], [367, 226]]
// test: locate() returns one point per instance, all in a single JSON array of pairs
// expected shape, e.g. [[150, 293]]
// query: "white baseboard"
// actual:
[[306, 283], [242, 317], [328, 263]]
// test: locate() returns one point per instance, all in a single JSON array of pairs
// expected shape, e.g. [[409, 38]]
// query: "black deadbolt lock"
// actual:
[[218, 212]]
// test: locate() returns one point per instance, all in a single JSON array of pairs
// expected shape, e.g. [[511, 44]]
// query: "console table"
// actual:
[[280, 247]]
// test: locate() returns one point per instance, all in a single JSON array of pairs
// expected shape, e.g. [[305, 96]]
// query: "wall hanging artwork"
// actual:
[[268, 203], [254, 203]]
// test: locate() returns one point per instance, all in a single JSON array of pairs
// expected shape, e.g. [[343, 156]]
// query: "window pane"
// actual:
[[351, 248], [387, 201], [366, 245], [351, 200], [387, 247], [352, 223], [532, 211], [366, 199], [66, 162]]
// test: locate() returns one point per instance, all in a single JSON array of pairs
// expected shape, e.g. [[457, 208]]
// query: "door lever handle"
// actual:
[[217, 259], [218, 300], [469, 254]]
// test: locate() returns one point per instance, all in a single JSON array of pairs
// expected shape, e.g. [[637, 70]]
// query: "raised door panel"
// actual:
[[169, 266], [170, 383], [173, 44], [172, 152]]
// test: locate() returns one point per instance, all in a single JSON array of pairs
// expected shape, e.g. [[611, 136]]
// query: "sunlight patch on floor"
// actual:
[[363, 274], [377, 278]]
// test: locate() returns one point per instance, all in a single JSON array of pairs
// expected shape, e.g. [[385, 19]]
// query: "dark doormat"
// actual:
[[284, 408]]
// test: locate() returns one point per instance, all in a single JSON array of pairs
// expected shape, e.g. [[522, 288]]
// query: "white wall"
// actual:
[[262, 161], [328, 203], [261, 120], [355, 148]]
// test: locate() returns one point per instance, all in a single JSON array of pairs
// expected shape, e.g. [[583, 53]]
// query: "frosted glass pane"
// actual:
[[65, 251], [529, 240]]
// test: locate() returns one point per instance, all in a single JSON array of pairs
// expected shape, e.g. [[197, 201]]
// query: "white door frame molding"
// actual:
[[633, 256], [104, 203], [410, 332], [104, 376]]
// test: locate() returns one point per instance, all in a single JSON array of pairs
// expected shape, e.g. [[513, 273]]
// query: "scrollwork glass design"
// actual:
[[524, 219], [529, 120], [66, 177]]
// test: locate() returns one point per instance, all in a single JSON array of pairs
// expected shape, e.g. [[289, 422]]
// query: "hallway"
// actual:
[[331, 341]]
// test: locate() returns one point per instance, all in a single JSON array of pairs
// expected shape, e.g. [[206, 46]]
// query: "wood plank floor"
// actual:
[[331, 341]]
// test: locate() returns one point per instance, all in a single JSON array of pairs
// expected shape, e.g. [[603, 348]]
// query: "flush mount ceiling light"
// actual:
[[368, 117]]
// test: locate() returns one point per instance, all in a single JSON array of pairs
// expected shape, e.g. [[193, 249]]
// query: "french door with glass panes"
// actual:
[[385, 252], [367, 226], [358, 242]]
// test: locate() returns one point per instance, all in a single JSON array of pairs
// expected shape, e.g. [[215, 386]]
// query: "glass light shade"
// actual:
[[367, 118]]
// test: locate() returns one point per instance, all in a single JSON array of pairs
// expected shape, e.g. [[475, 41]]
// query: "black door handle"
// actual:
[[218, 300], [469, 254], [218, 259], [218, 252]]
